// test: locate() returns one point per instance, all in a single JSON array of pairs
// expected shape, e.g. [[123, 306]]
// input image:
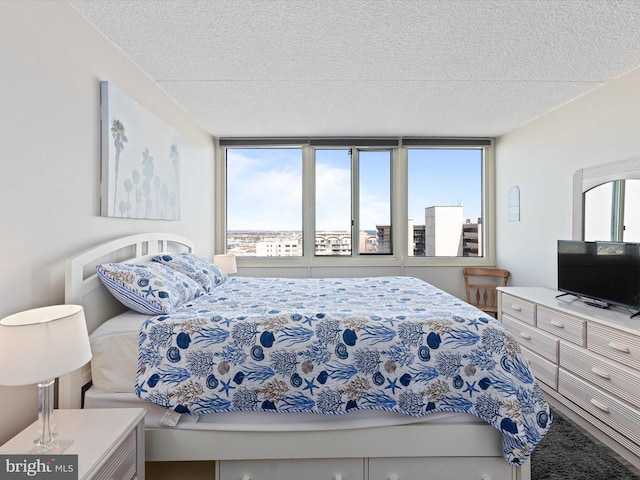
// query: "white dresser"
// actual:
[[586, 359], [109, 442]]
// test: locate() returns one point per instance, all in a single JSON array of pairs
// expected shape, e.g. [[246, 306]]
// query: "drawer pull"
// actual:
[[338, 476], [556, 323], [516, 308], [599, 405], [525, 335], [620, 348], [246, 477], [601, 373]]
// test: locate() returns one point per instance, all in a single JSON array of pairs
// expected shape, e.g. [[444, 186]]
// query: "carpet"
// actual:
[[566, 453]]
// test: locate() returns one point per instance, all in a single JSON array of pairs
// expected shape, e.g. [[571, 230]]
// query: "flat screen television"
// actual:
[[608, 273]]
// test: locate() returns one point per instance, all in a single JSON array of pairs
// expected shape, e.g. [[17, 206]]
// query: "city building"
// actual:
[[472, 239], [285, 246]]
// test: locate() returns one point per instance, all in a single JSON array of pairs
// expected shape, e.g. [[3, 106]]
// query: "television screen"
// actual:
[[608, 272]]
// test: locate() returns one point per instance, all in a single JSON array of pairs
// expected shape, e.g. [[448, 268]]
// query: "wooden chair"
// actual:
[[481, 288]]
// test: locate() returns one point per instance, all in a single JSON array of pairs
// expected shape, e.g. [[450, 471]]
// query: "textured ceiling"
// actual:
[[371, 67]]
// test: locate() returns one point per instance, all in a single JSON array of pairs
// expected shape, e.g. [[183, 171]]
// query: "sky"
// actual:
[[264, 187]]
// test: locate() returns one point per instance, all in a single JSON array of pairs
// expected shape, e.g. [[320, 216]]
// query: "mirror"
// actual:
[[612, 211], [606, 202]]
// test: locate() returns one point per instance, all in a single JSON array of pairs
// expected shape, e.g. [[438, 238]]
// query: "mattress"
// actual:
[[270, 422], [114, 346]]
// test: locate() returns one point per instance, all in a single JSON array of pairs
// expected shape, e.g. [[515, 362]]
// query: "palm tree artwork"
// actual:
[[154, 198], [147, 173], [140, 160], [175, 162], [119, 139]]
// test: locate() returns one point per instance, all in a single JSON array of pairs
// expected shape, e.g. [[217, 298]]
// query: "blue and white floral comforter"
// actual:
[[330, 346]]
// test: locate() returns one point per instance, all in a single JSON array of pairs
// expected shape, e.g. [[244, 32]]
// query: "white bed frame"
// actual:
[[428, 444]]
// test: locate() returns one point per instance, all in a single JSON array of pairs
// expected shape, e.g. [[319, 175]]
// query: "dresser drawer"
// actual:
[[544, 370], [122, 463], [322, 469], [518, 308], [617, 380], [618, 415], [617, 345], [440, 468], [562, 325], [533, 339]]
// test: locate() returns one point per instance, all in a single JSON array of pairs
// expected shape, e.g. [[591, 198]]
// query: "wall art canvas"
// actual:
[[140, 160]]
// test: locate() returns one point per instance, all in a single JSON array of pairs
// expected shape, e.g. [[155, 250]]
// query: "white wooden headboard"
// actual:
[[83, 287]]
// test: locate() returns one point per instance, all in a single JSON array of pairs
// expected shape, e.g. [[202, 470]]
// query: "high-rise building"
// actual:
[[443, 231], [383, 234], [472, 239], [446, 233]]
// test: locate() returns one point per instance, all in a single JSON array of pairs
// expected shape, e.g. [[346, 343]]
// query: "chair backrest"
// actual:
[[481, 284]]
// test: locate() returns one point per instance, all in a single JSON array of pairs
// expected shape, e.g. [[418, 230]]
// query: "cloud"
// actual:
[[374, 210], [333, 198], [266, 194], [263, 195]]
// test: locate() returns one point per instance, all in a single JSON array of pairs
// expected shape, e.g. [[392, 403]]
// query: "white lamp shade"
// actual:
[[226, 263], [42, 344]]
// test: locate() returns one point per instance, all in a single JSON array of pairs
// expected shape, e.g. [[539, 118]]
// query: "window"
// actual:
[[375, 202], [264, 202], [356, 201], [333, 200], [348, 181], [445, 202]]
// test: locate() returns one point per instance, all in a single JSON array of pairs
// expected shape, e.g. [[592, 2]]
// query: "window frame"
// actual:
[[355, 186], [488, 207], [399, 201]]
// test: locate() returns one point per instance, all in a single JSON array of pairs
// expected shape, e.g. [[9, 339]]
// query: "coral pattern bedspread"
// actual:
[[329, 346]]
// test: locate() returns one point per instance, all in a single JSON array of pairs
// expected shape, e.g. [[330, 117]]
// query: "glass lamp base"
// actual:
[[46, 441], [56, 446]]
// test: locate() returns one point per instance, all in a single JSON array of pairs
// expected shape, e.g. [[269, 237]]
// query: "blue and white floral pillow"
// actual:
[[149, 288], [205, 273]]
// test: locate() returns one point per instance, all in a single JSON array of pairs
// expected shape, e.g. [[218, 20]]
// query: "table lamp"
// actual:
[[226, 263], [36, 346]]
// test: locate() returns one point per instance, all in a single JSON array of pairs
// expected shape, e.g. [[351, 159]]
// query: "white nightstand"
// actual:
[[109, 442]]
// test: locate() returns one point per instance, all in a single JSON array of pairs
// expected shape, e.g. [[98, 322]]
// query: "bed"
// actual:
[[363, 421]]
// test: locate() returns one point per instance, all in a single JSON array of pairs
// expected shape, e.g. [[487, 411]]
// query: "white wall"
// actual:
[[51, 62], [541, 157]]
